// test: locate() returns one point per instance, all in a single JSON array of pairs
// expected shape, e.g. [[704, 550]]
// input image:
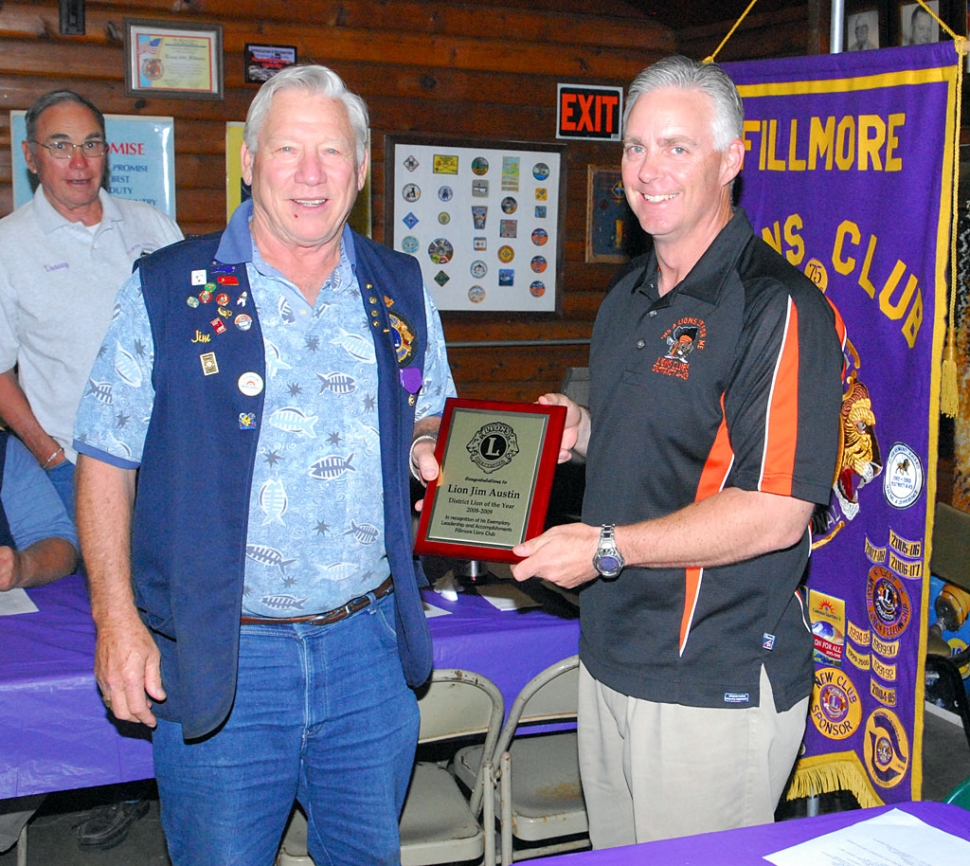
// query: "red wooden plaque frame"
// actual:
[[545, 471]]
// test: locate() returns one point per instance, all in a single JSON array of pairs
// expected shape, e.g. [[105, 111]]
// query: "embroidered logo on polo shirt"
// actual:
[[688, 335]]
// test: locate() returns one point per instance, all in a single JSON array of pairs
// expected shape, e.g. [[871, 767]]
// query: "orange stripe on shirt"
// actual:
[[713, 476], [781, 433]]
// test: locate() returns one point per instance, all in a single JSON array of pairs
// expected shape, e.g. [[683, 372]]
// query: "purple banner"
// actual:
[[848, 174]]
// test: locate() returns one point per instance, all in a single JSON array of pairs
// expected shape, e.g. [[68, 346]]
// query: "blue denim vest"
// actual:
[[192, 505]]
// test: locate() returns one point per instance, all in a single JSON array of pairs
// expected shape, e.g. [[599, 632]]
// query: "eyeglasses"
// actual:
[[65, 149]]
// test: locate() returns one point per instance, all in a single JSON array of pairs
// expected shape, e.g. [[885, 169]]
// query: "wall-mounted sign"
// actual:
[[141, 159], [583, 111]]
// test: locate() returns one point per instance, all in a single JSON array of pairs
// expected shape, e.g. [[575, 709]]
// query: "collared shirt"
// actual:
[[731, 379], [315, 537], [58, 280]]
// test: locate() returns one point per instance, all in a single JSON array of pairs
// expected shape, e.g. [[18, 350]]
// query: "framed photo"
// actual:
[[862, 30], [262, 62], [484, 219], [165, 58], [497, 464], [612, 230], [916, 25]]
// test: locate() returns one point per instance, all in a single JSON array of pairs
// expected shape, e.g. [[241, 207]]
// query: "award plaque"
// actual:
[[497, 464]]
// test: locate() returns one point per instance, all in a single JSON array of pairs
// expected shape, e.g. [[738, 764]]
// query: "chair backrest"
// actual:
[[550, 696], [458, 703], [951, 545], [960, 795]]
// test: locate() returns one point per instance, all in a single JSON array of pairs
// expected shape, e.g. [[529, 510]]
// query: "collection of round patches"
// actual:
[[441, 250]]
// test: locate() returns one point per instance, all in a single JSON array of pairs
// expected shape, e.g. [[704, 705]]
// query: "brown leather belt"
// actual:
[[330, 616]]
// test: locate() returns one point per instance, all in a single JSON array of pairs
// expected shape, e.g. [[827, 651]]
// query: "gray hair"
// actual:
[[708, 78], [314, 80], [57, 97]]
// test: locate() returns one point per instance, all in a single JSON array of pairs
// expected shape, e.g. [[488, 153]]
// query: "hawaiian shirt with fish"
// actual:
[[316, 519]]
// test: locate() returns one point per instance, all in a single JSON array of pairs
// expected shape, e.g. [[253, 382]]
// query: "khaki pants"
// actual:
[[656, 771]]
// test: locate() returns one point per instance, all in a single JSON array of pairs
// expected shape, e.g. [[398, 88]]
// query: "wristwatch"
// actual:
[[608, 561]]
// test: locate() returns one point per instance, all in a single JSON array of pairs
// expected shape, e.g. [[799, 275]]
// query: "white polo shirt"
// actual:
[[58, 282]]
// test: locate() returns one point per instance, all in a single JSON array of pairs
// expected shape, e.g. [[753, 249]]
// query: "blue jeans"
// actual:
[[322, 714], [62, 477]]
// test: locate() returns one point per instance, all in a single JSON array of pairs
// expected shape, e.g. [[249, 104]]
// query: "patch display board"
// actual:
[[484, 220]]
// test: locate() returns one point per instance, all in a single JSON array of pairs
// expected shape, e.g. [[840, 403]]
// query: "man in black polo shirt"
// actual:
[[712, 432]]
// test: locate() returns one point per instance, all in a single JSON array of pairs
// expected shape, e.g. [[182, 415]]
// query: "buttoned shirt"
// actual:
[[315, 536], [58, 281]]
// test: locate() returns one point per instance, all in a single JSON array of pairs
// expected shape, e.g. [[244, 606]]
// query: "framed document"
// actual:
[[167, 58], [497, 464]]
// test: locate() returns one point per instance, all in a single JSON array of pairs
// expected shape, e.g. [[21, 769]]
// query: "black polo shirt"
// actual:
[[732, 379]]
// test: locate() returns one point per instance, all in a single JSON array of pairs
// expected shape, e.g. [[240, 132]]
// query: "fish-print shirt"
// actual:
[[316, 523]]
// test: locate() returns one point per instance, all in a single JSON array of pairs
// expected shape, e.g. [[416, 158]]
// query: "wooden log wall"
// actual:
[[487, 71]]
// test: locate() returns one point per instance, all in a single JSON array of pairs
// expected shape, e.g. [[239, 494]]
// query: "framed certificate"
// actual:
[[167, 58], [497, 463]]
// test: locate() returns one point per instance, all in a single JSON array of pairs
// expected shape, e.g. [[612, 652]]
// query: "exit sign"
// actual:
[[589, 112]]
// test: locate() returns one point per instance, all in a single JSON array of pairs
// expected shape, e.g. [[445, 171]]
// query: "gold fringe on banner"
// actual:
[[824, 774]]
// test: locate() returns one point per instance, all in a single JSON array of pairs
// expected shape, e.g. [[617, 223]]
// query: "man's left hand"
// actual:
[[562, 555]]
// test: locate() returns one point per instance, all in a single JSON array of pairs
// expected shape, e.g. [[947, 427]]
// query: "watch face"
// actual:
[[608, 563]]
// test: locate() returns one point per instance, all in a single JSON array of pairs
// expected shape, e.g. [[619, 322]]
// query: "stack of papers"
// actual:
[[894, 838]]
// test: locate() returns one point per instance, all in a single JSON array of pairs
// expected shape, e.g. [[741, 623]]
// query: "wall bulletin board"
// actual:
[[485, 220]]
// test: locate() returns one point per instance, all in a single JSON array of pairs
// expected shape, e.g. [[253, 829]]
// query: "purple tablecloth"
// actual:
[[749, 845], [55, 734]]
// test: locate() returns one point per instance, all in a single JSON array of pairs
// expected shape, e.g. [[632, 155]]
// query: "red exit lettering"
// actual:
[[591, 112]]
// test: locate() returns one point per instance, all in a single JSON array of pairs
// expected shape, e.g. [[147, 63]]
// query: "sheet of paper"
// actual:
[[447, 587], [894, 838], [16, 601], [506, 596], [430, 611]]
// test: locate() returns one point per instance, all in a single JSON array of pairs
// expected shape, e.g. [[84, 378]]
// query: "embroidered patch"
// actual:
[[688, 335]]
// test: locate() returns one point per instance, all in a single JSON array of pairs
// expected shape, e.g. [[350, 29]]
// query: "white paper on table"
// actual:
[[16, 601], [894, 838], [430, 611], [447, 587], [505, 596]]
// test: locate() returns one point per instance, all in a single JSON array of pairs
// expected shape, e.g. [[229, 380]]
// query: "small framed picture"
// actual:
[[916, 25], [612, 231], [166, 58], [862, 30], [262, 62]]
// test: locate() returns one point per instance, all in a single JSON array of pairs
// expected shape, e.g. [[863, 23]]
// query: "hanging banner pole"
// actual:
[[836, 27]]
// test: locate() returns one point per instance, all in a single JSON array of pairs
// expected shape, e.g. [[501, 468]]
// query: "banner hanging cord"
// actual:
[[949, 387], [730, 32]]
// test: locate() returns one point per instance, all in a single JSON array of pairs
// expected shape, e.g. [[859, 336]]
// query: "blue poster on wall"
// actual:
[[141, 159]]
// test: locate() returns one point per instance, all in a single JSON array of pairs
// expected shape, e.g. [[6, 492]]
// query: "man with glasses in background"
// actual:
[[63, 256]]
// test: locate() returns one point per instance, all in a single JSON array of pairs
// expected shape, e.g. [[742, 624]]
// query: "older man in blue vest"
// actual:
[[271, 386]]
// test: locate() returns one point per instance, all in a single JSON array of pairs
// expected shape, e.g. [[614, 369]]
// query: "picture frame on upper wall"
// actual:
[[863, 28], [262, 62], [174, 60], [915, 26]]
